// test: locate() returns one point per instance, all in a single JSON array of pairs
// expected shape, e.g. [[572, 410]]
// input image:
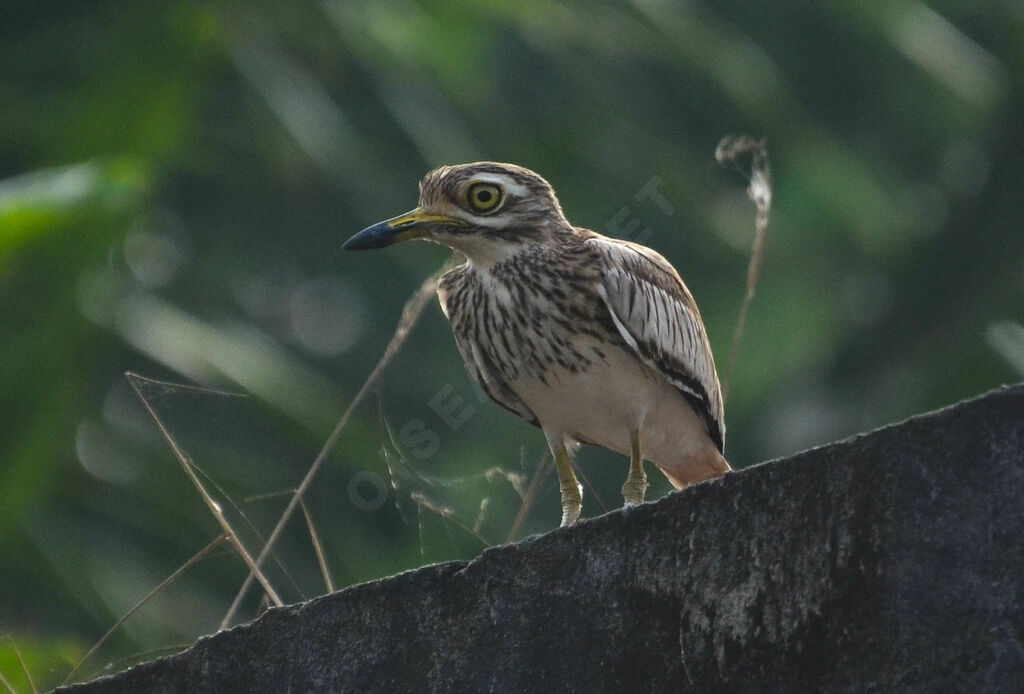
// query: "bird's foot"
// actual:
[[572, 492], [635, 488], [570, 513]]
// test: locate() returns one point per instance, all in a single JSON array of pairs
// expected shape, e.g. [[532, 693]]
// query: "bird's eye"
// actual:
[[484, 197]]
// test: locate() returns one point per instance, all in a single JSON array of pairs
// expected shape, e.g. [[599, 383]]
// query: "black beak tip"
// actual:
[[377, 236]]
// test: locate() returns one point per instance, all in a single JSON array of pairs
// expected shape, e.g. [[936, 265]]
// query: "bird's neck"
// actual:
[[485, 250], [483, 253]]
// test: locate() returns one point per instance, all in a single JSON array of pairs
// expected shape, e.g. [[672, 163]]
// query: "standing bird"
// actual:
[[592, 339]]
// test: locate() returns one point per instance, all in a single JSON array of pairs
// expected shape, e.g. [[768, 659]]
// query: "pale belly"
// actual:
[[605, 403]]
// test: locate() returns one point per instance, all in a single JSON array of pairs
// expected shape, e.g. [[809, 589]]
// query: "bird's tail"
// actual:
[[697, 467]]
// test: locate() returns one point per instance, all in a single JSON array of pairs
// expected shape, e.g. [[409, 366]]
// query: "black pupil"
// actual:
[[483, 197]]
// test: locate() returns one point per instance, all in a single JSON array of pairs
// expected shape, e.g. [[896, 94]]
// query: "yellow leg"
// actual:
[[572, 492], [635, 488]]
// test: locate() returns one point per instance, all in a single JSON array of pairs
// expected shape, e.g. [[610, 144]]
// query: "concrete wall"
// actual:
[[893, 561]]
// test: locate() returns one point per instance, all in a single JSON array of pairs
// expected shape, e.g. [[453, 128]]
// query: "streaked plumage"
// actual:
[[592, 339]]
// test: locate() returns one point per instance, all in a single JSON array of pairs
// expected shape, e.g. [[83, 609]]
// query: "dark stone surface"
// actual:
[[892, 561]]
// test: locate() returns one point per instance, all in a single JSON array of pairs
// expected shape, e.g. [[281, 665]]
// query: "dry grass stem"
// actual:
[[410, 315], [589, 488], [135, 379], [142, 656], [529, 498], [197, 557], [24, 667], [759, 190], [317, 547]]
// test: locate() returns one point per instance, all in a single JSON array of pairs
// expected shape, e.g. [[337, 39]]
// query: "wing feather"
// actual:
[[656, 316]]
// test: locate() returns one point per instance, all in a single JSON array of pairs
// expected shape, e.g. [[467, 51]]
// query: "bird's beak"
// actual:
[[411, 225]]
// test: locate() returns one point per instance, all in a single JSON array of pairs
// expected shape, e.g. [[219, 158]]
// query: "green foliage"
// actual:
[[176, 180]]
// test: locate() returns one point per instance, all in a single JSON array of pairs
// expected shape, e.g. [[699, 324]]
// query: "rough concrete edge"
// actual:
[[1006, 389], [489, 554]]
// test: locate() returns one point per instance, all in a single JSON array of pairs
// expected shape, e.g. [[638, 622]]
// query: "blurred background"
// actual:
[[176, 181]]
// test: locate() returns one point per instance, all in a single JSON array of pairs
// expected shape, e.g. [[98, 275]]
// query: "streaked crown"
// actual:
[[491, 195]]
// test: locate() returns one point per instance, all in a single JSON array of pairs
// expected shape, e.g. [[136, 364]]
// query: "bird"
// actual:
[[593, 339]]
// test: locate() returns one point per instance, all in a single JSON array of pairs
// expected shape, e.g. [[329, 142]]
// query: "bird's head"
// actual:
[[486, 210]]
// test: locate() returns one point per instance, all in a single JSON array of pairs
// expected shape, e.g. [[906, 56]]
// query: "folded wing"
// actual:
[[658, 318]]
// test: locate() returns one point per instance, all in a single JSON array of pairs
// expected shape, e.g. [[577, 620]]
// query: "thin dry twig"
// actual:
[[410, 316], [317, 547], [421, 500], [142, 656], [24, 667], [591, 489], [134, 380], [196, 558], [759, 190], [528, 499], [171, 386], [249, 524], [204, 390]]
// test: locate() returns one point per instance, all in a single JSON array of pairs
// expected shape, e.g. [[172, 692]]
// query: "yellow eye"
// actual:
[[484, 197]]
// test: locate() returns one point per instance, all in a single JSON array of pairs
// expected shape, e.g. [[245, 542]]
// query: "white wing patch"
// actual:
[[623, 331]]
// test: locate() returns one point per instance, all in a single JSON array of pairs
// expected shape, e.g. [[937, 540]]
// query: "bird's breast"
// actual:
[[527, 324], [545, 341], [548, 341]]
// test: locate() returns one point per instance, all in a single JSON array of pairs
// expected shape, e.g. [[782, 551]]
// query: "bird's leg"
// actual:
[[572, 492], [635, 487]]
